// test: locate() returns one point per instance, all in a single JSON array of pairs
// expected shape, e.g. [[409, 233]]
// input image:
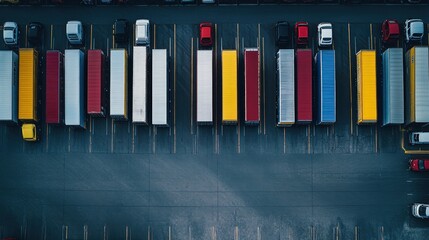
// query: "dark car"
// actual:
[[120, 30], [206, 34], [390, 31], [282, 34], [419, 165], [35, 32]]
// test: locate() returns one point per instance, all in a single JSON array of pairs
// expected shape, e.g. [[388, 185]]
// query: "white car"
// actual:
[[10, 33], [142, 32], [74, 32], [420, 210], [414, 30], [324, 33]]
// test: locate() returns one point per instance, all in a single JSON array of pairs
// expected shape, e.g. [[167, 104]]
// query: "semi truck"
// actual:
[[229, 87], [95, 83], [366, 86], [54, 73], [285, 87], [160, 88], [304, 86], [119, 84], [204, 86], [140, 84], [252, 83], [74, 96], [27, 88], [393, 86], [9, 86], [326, 87], [417, 85]]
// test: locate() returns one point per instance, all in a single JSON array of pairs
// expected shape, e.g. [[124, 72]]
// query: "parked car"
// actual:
[[420, 210], [419, 138], [206, 34], [324, 33], [10, 33], [301, 33], [389, 31], [414, 30], [74, 32], [282, 34], [9, 1], [419, 165], [120, 30], [35, 32], [142, 32]]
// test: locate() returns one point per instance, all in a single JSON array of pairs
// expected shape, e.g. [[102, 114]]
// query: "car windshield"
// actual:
[[422, 211], [9, 28], [421, 164], [416, 137]]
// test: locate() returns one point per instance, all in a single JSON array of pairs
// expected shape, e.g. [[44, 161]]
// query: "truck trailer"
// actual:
[[285, 87], [119, 84], [229, 87], [393, 86], [9, 86], [95, 83], [417, 86], [366, 86], [54, 73], [204, 86], [140, 84], [74, 88], [27, 88], [160, 88], [252, 83], [326, 87], [304, 86]]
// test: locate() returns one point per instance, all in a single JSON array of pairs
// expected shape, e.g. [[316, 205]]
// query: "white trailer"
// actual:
[[139, 84], [160, 88], [118, 84], [74, 88], [9, 86], [204, 86]]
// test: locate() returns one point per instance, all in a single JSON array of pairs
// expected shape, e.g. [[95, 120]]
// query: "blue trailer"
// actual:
[[326, 89]]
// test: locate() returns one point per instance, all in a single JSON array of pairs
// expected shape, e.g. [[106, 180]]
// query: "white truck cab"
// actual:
[[419, 138], [324, 32], [10, 33], [414, 30], [142, 32], [74, 32]]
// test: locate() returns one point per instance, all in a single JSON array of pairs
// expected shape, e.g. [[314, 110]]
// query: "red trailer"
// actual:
[[304, 82], [251, 79], [95, 96], [54, 60]]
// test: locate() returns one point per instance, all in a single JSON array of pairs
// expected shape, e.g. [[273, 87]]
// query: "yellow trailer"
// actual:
[[366, 86], [27, 92], [229, 87]]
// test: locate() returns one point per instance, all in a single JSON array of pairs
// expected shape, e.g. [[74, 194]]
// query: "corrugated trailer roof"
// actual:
[[95, 86], [27, 103], [326, 83], [160, 87], [74, 88], [286, 87], [205, 86], [251, 81], [118, 83], [304, 85], [9, 86], [53, 71], [393, 86], [366, 86], [229, 87], [139, 84]]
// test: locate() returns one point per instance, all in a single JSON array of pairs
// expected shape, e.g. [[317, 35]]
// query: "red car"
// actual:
[[390, 31], [301, 33], [206, 36], [419, 165]]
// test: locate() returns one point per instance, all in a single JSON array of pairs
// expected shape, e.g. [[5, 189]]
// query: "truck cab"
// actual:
[[324, 32], [29, 132], [142, 32], [206, 39], [301, 33], [390, 31], [414, 30], [10, 33], [74, 32]]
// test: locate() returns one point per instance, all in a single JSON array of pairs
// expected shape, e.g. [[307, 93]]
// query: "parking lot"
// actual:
[[187, 181]]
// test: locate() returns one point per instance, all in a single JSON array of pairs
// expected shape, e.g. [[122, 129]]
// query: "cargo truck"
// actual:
[[304, 86], [119, 84], [366, 86], [54, 73], [417, 86], [285, 87], [229, 87], [27, 88], [251, 82], [326, 87], [95, 83], [74, 88], [160, 88], [9, 86], [204, 86], [140, 84], [393, 86]]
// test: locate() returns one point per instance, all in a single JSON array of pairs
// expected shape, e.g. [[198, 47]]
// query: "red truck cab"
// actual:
[[390, 31], [419, 165], [301, 33], [206, 36]]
